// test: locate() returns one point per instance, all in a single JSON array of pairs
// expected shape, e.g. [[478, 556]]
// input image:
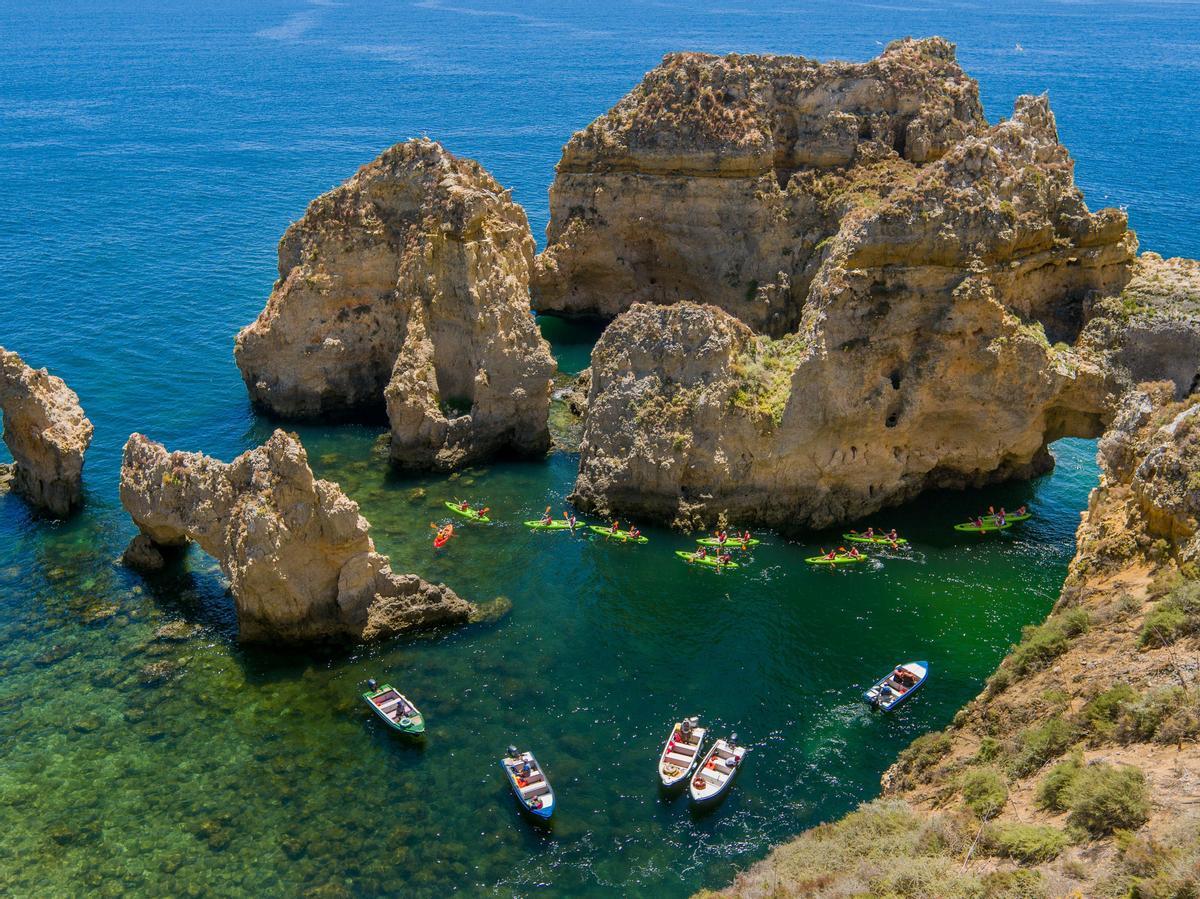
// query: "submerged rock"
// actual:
[[894, 288], [300, 561], [409, 286], [46, 432]]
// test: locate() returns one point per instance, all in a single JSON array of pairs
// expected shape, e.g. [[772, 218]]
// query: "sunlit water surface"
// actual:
[[150, 157]]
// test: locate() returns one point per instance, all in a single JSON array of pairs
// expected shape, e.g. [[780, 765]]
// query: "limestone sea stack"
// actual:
[[46, 432], [299, 557], [407, 288], [895, 306]]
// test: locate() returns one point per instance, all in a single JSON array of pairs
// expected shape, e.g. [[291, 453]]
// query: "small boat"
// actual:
[[554, 525], [989, 525], [710, 560], [393, 707], [681, 751], [732, 542], [875, 540], [472, 514], [837, 560], [716, 772], [528, 782], [623, 536], [903, 681]]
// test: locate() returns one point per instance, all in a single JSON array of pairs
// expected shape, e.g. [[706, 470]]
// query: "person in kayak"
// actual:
[[634, 533], [978, 522], [745, 539], [869, 533], [831, 555], [722, 537], [853, 553], [616, 527], [701, 553], [570, 521], [725, 558], [893, 536], [546, 518], [464, 506], [1020, 511]]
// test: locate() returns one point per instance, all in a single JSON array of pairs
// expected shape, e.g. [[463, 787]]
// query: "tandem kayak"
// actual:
[[877, 541], [988, 526], [552, 526], [393, 707], [467, 513], [623, 536], [710, 561], [1010, 518], [529, 783], [732, 542], [903, 681], [836, 560]]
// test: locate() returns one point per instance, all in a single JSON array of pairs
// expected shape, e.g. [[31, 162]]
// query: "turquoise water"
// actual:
[[150, 157]]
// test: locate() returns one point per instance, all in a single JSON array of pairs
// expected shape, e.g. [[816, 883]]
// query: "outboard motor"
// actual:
[[512, 752], [372, 684]]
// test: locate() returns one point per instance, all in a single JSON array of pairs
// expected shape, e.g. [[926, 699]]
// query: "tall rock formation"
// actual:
[[298, 555], [46, 432], [897, 315], [408, 286]]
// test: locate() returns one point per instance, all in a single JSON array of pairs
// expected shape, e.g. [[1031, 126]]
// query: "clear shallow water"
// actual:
[[149, 160]]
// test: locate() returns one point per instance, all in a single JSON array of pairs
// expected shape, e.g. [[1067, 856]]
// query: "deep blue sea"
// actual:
[[151, 155]]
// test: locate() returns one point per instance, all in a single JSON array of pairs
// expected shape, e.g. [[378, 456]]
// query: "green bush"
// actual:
[[1097, 719], [1020, 883], [984, 791], [989, 750], [1175, 616], [915, 763], [1105, 797], [1166, 715], [1054, 791], [1042, 644], [1029, 844], [999, 682], [1038, 744]]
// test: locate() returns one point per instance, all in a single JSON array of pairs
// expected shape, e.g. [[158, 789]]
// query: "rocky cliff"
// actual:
[[407, 287], [929, 339], [1074, 773], [298, 555], [46, 432]]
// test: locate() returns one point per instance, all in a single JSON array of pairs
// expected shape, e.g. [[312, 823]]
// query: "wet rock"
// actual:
[[142, 554], [156, 673], [99, 612], [87, 724], [52, 656], [46, 432], [417, 495], [176, 631]]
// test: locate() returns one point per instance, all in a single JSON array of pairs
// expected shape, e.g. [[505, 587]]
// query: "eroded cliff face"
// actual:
[[931, 341], [46, 432], [408, 286], [298, 555], [1074, 772]]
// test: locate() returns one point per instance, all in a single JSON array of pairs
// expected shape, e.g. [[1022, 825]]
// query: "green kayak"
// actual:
[[1010, 518], [877, 541], [710, 561], [836, 560], [732, 542], [467, 513], [971, 527], [623, 536], [552, 526]]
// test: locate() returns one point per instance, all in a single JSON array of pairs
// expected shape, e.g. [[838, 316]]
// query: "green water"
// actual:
[[194, 766]]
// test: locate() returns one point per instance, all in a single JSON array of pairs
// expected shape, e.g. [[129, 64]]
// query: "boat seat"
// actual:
[[537, 789], [680, 759]]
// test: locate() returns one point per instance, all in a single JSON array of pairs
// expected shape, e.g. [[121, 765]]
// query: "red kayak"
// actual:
[[439, 541]]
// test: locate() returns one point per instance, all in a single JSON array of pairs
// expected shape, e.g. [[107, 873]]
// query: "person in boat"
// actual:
[[745, 539], [685, 728], [725, 558], [1000, 518], [464, 506], [893, 536], [1020, 510], [722, 537], [731, 762], [616, 526], [634, 533], [831, 555], [869, 533], [852, 553], [978, 521], [701, 552], [992, 511], [571, 522]]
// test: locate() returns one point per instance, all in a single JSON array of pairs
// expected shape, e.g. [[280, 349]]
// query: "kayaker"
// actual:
[[634, 533], [725, 558], [893, 536], [745, 539], [831, 555], [1020, 510], [853, 553], [616, 526], [701, 553], [869, 533], [722, 536], [464, 506], [978, 522], [546, 518], [571, 521]]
